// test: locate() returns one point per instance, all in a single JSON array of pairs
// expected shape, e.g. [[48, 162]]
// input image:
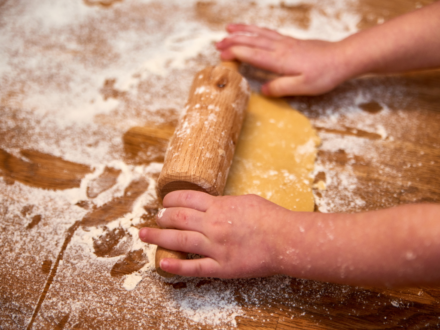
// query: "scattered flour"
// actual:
[[131, 281], [64, 103], [213, 307]]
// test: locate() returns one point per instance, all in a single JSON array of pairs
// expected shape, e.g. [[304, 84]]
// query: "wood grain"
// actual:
[[200, 153], [41, 170]]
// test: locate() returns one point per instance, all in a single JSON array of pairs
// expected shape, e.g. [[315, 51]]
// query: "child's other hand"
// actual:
[[306, 67], [238, 235]]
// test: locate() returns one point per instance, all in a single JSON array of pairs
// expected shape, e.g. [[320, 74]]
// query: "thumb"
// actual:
[[284, 86]]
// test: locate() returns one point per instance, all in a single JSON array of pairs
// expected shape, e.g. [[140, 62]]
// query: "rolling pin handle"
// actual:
[[162, 253]]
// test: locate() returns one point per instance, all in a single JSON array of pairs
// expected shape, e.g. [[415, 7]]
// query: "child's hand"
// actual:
[[306, 67], [239, 236], [248, 236]]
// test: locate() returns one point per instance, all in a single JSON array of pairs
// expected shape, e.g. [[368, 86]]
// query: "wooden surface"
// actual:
[[46, 284]]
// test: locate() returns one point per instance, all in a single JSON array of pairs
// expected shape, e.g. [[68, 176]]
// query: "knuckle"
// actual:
[[182, 239], [260, 55], [283, 64], [253, 200], [199, 270], [180, 216]]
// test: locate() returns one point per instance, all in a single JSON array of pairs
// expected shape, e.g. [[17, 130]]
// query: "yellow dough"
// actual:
[[275, 155]]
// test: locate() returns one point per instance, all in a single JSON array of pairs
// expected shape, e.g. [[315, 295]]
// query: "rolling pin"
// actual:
[[200, 152]]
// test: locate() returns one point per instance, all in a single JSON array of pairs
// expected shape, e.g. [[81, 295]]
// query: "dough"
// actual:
[[275, 155]]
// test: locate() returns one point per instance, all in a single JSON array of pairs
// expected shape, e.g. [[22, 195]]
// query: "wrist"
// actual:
[[283, 234], [295, 231], [309, 247], [349, 63]]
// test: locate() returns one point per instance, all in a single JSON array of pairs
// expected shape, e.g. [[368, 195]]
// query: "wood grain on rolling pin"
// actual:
[[201, 150]]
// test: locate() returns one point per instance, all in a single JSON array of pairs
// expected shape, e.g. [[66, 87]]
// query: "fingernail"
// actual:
[[161, 212], [143, 233], [164, 263], [160, 215]]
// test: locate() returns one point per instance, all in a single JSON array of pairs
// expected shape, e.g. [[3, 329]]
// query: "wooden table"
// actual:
[[64, 262]]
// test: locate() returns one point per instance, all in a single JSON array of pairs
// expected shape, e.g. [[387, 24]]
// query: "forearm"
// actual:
[[398, 246], [408, 42]]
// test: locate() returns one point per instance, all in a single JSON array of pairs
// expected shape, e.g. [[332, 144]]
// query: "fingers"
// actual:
[[181, 218], [284, 86], [188, 198], [205, 267], [253, 29], [250, 41], [296, 85], [177, 240], [261, 58]]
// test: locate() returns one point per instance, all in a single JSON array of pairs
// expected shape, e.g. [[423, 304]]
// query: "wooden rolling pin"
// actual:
[[200, 152]]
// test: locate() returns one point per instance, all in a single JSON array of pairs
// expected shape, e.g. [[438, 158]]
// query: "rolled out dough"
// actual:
[[275, 155]]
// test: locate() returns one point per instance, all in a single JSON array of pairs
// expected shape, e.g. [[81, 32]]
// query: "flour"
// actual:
[[131, 281], [381, 131], [209, 306], [345, 198], [76, 78], [350, 144], [201, 89], [323, 25], [244, 86], [161, 212]]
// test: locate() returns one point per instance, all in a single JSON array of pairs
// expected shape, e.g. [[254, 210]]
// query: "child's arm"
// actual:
[[310, 67], [248, 236]]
